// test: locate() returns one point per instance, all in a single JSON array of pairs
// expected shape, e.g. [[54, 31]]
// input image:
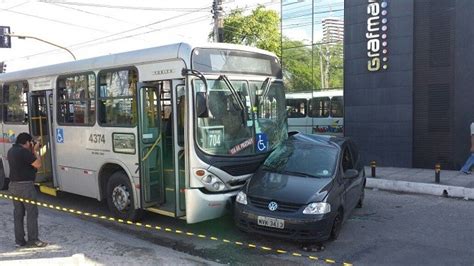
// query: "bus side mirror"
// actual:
[[201, 105]]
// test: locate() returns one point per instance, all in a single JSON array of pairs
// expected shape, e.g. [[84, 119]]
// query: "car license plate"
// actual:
[[271, 222]]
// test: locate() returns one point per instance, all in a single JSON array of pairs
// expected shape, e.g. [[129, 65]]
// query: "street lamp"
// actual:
[[23, 37]]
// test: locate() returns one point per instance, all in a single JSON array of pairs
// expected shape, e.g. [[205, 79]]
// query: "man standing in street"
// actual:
[[466, 169], [24, 160]]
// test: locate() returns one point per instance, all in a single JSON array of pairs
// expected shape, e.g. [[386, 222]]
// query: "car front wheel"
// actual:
[[336, 226]]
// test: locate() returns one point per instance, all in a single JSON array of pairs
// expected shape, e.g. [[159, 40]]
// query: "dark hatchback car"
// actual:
[[304, 191]]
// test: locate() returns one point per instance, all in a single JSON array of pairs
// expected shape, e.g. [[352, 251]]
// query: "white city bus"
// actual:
[[317, 112], [175, 130]]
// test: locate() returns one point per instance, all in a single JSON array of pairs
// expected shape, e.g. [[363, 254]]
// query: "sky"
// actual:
[[91, 28], [300, 24]]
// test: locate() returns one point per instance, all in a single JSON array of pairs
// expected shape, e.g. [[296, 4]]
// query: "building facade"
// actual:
[[408, 82], [409, 95], [333, 30]]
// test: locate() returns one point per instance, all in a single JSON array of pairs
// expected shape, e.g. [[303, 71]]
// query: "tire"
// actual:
[[120, 197], [360, 203], [336, 226], [3, 180]]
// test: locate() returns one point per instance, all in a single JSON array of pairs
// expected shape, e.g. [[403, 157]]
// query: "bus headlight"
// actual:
[[207, 179], [241, 198], [210, 181], [218, 185]]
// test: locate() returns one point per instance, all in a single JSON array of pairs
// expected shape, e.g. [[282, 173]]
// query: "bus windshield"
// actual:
[[241, 117]]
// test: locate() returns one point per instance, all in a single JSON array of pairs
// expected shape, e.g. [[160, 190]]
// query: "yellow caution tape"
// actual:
[[112, 219]]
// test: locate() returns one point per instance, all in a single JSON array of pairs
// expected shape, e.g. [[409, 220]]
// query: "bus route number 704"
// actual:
[[97, 138], [214, 137]]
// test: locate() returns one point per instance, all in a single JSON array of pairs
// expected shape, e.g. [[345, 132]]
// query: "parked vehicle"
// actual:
[[316, 112], [304, 191]]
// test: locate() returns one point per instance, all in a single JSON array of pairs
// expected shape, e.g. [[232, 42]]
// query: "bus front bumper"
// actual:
[[201, 206]]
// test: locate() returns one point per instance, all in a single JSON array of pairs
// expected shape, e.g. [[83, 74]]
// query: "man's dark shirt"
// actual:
[[20, 160]]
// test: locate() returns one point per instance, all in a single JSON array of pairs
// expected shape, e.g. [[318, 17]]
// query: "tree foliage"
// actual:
[[305, 66], [259, 29], [312, 67]]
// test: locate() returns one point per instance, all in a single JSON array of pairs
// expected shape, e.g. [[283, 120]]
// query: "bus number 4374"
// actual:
[[97, 138]]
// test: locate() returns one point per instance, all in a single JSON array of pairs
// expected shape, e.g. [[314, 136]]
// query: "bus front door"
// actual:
[[40, 128], [150, 143]]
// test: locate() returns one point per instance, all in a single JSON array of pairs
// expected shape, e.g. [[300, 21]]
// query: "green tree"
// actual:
[[297, 66], [305, 67], [259, 29], [309, 67]]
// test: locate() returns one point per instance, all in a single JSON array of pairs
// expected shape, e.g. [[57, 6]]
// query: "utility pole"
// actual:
[[217, 10]]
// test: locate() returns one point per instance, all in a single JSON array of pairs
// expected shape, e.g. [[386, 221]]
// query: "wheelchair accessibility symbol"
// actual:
[[59, 135], [262, 142]]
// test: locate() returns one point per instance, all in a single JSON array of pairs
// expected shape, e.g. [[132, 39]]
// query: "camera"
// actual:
[[33, 143]]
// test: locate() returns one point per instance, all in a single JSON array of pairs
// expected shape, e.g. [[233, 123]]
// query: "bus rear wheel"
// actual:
[[120, 197]]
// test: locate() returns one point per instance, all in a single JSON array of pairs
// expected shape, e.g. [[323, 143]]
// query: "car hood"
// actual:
[[288, 188]]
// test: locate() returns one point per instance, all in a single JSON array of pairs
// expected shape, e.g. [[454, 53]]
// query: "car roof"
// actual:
[[321, 140]]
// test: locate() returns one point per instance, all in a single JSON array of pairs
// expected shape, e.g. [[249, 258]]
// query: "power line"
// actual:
[[93, 14], [148, 32], [88, 43], [95, 41], [15, 6], [133, 29], [51, 20], [87, 12], [108, 36], [166, 9]]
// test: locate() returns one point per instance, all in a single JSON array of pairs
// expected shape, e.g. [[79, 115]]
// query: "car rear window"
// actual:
[[304, 158]]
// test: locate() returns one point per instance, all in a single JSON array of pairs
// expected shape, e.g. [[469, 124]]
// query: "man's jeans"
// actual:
[[25, 190], [469, 163]]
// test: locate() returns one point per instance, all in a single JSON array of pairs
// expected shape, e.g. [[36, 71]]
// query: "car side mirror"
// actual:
[[351, 173]]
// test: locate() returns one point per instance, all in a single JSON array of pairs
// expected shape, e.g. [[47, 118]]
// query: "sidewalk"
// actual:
[[422, 181], [75, 241]]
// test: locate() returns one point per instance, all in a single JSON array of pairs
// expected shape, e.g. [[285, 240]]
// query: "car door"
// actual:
[[351, 187], [358, 165]]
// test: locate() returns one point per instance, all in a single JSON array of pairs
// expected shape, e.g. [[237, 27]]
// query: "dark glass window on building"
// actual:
[[76, 99], [296, 107], [117, 94], [337, 106], [319, 107], [15, 108]]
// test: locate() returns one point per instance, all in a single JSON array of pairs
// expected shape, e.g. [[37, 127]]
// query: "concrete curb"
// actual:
[[421, 188], [74, 260]]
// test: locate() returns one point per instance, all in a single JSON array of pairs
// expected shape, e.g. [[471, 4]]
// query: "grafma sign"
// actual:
[[377, 44]]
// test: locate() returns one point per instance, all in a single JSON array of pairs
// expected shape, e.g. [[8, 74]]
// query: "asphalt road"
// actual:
[[391, 229]]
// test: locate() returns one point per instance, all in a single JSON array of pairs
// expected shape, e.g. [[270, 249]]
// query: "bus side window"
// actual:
[[116, 96], [166, 108], [76, 99], [15, 102], [337, 106], [319, 107], [296, 107]]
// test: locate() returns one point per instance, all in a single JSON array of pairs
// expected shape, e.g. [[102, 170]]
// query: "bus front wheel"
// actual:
[[120, 197]]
